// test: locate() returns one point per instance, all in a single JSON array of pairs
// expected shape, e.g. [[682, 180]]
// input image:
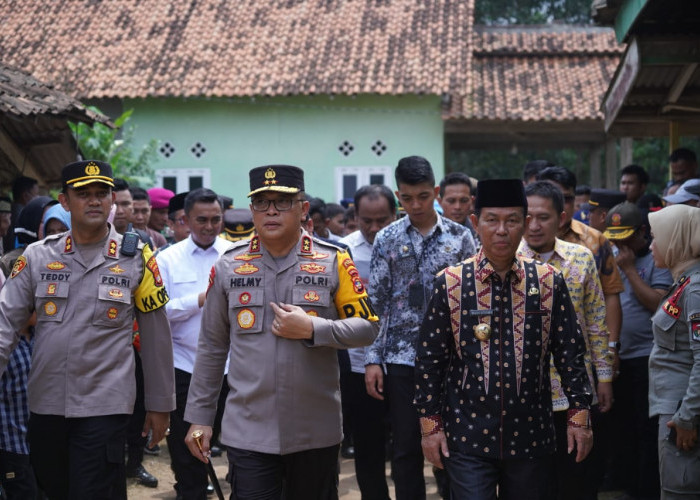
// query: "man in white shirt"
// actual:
[[375, 208], [185, 267]]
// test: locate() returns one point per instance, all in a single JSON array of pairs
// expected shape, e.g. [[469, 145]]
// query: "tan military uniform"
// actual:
[[83, 362], [284, 394]]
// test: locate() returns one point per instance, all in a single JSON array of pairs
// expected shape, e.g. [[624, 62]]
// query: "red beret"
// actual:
[[160, 197]]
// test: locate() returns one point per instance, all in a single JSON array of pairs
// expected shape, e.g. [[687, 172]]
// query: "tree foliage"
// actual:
[[116, 147], [500, 12]]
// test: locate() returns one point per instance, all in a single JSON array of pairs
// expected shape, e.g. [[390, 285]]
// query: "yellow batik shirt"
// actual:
[[577, 265]]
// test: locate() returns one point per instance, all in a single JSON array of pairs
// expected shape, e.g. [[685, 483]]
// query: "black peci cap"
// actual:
[[177, 202], [82, 173], [279, 178], [500, 193]]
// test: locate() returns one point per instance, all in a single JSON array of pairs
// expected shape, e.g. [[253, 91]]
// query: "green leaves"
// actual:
[[116, 147]]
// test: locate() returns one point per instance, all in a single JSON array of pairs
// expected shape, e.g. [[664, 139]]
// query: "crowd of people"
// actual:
[[531, 338]]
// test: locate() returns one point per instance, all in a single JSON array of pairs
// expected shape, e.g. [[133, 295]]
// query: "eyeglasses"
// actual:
[[281, 204]]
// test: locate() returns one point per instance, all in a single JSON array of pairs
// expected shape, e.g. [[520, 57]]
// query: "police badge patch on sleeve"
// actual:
[[695, 326], [20, 264]]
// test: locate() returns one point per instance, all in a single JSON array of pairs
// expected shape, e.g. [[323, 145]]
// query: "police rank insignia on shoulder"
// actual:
[[19, 266]]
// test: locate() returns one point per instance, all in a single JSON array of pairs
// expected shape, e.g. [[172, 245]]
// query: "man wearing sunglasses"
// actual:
[[282, 302]]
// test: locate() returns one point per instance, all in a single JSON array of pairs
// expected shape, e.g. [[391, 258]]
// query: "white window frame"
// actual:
[[363, 174], [182, 177]]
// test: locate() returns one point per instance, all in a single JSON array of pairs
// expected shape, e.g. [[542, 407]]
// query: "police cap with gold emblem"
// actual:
[[82, 173], [622, 221], [238, 224], [279, 178]]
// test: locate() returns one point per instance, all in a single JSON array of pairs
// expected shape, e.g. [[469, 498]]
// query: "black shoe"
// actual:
[[215, 451], [210, 489], [142, 476], [347, 452]]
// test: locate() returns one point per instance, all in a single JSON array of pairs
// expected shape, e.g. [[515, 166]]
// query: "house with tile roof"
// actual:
[[35, 139], [342, 88]]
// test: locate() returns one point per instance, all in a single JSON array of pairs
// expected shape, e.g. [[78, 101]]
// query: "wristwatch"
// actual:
[[614, 345]]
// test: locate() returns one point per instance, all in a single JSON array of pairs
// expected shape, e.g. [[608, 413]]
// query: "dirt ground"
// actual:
[[159, 466]]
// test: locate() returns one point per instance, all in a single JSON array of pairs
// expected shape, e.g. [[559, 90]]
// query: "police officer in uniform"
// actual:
[[282, 302], [84, 286], [674, 363]]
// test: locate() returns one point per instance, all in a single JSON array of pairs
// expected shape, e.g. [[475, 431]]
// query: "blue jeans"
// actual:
[[476, 478]]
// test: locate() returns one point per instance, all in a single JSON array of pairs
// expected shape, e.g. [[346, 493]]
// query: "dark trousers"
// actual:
[[407, 454], [190, 474], [367, 417], [636, 457], [476, 478], [134, 441], [305, 475], [580, 481], [17, 476], [79, 457]]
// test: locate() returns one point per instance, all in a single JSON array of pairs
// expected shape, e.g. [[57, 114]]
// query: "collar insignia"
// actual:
[[69, 245], [254, 245]]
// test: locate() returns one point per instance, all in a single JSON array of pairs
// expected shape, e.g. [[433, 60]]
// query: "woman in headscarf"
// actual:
[[56, 221], [26, 230], [674, 364]]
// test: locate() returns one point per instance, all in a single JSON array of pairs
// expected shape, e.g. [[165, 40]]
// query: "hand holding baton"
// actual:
[[197, 436]]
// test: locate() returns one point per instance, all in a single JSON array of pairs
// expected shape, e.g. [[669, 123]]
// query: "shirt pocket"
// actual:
[[113, 306], [311, 299], [53, 298], [247, 311], [664, 332]]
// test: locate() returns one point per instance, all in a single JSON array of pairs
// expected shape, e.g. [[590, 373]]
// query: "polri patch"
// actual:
[[152, 266], [695, 329], [19, 266], [112, 313], [312, 296], [244, 298]]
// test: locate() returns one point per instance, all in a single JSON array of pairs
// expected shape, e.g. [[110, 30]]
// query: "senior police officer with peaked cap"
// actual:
[[84, 286], [282, 303]]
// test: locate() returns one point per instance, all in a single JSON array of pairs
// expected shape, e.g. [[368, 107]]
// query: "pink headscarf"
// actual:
[[676, 231]]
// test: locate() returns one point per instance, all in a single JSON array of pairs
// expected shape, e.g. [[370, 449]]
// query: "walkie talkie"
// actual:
[[130, 241]]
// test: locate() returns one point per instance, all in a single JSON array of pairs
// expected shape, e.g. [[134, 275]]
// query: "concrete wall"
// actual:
[[237, 134]]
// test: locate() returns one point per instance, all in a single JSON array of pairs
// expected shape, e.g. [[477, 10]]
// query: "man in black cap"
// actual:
[[85, 286], [281, 303], [600, 202], [482, 381], [238, 224]]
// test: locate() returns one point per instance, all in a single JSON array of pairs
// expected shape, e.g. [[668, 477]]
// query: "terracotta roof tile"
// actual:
[[22, 95], [122, 48], [539, 73]]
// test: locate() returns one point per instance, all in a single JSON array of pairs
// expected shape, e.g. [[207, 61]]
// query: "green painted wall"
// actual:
[[239, 134]]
